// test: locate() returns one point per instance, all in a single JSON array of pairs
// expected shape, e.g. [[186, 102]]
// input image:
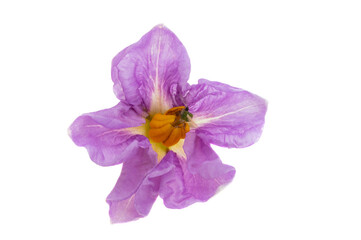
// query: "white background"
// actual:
[[300, 181]]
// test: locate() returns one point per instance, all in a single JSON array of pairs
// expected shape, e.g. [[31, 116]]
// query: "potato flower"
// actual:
[[162, 128]]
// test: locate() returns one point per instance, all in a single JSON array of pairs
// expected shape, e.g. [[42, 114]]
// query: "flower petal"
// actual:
[[225, 115], [172, 188], [124, 196], [196, 178], [150, 72], [137, 188], [109, 135]]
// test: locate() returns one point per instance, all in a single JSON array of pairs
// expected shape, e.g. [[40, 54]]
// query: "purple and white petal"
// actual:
[[121, 200], [204, 172], [109, 134], [137, 188], [152, 71], [172, 187], [195, 179], [225, 115]]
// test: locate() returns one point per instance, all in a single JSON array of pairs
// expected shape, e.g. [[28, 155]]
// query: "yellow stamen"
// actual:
[[161, 134], [173, 137], [168, 128], [175, 110], [159, 120]]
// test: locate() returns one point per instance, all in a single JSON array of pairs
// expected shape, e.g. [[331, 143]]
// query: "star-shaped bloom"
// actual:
[[162, 128]]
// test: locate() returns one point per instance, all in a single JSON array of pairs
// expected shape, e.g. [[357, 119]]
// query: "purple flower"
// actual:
[[162, 128]]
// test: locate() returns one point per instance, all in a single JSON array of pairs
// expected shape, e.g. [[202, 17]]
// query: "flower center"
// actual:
[[170, 127]]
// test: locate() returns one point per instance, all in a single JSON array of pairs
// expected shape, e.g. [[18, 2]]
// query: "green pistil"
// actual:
[[185, 114]]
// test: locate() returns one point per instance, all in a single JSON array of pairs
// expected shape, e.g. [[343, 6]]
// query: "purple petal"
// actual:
[[225, 115], [150, 72], [137, 188], [124, 197], [196, 178], [172, 189], [105, 134]]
